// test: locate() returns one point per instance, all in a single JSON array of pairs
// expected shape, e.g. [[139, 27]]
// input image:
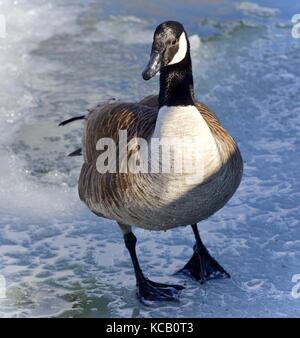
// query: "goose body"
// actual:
[[158, 199]]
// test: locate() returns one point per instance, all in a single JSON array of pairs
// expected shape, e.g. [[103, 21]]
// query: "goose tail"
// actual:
[[77, 152], [63, 123]]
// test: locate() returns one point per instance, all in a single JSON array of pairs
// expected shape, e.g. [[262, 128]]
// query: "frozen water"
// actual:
[[255, 9], [61, 57]]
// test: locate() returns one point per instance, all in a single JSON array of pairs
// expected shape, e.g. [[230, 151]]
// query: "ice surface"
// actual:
[[60, 58], [252, 8]]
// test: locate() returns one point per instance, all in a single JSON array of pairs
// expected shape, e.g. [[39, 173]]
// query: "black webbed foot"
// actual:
[[203, 267], [148, 290]]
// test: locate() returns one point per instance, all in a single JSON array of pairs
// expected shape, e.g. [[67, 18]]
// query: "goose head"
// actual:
[[170, 46]]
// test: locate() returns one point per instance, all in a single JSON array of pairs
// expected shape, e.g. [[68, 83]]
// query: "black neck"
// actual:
[[176, 84]]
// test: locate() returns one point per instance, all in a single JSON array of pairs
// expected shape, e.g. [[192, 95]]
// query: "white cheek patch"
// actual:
[[180, 55]]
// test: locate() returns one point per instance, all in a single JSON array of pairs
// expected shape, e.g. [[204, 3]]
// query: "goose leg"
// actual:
[[202, 266], [148, 290]]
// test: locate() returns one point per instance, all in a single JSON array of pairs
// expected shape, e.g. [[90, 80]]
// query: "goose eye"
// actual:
[[173, 42]]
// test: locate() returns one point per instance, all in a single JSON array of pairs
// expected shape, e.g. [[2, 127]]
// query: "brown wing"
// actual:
[[106, 121], [150, 101], [103, 191]]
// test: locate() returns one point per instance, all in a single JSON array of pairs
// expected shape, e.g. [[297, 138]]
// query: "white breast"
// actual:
[[186, 124]]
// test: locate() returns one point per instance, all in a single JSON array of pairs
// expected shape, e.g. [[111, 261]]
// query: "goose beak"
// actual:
[[153, 66]]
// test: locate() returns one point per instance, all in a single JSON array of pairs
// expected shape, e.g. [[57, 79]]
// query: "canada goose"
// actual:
[[162, 201]]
